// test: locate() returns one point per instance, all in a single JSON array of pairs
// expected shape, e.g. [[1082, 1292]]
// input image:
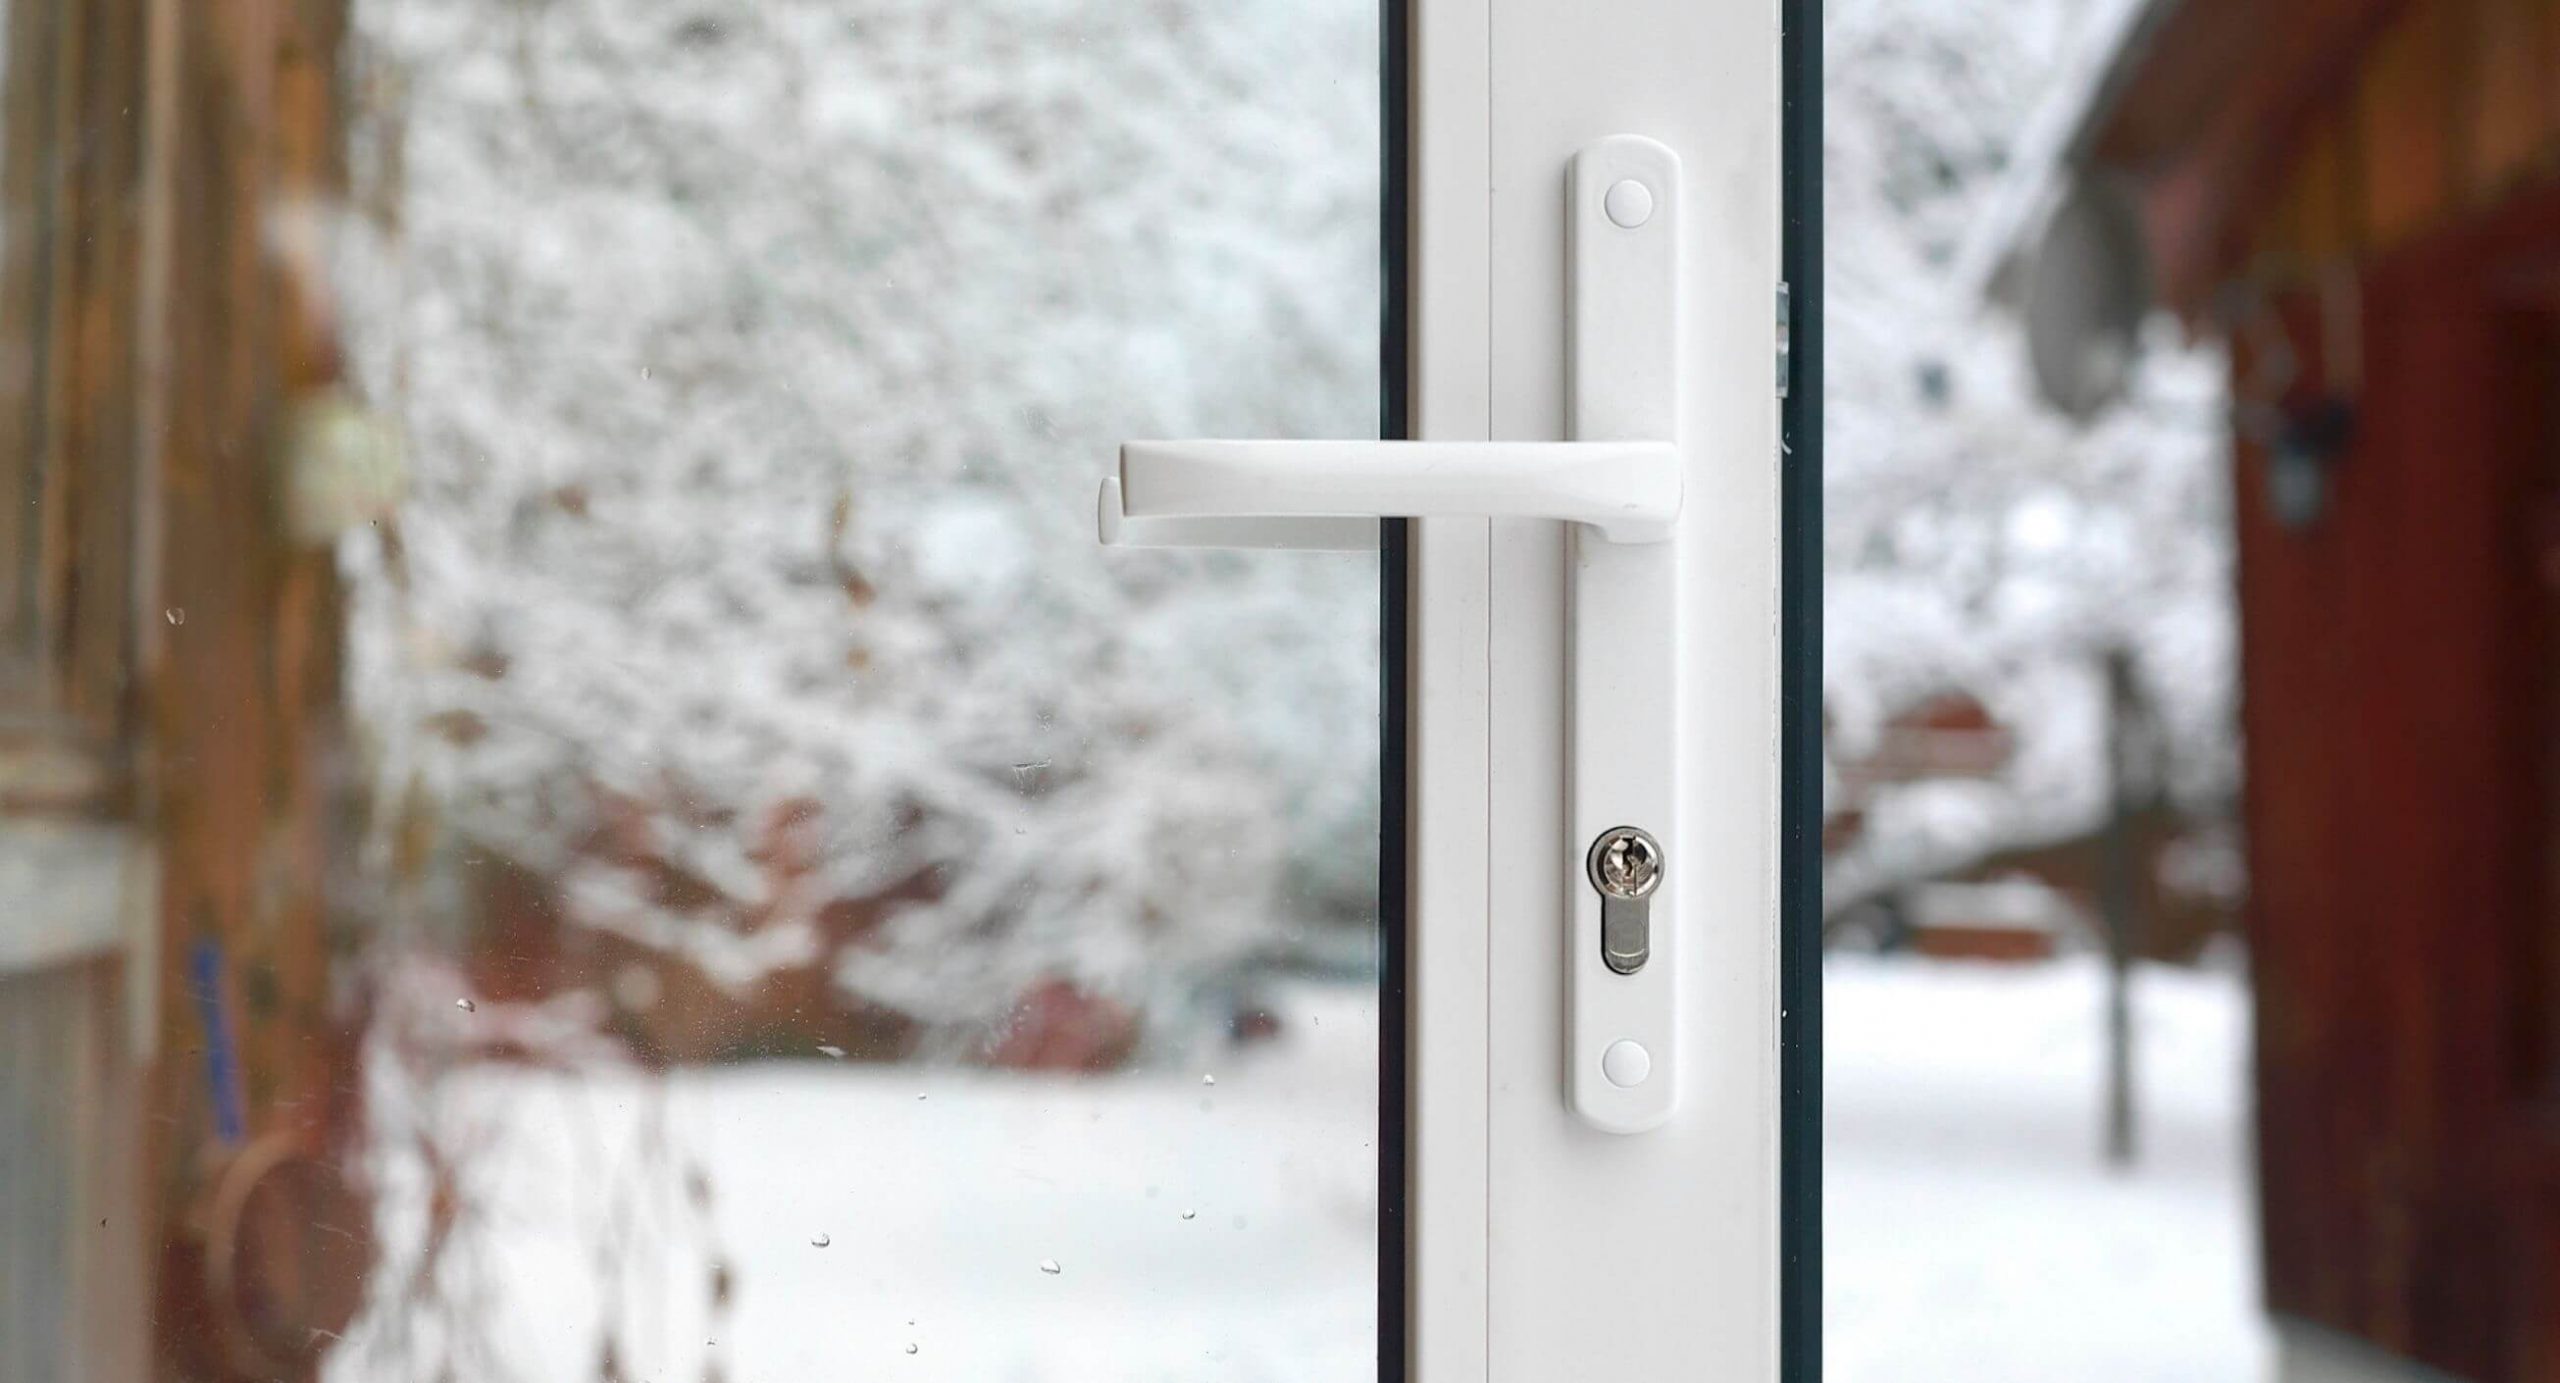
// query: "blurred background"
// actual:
[[578, 799], [2189, 684], [578, 802], [2037, 996]]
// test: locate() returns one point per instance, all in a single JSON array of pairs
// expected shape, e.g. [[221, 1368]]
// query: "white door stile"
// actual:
[[1449, 731], [1543, 1249]]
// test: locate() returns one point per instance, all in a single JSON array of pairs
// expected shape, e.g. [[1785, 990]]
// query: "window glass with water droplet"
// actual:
[[593, 808]]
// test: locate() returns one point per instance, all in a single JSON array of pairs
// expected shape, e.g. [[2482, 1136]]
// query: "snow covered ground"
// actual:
[[1223, 1230], [1210, 1223], [1971, 1232]]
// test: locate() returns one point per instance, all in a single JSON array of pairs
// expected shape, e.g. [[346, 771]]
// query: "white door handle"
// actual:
[[1617, 486], [1226, 492]]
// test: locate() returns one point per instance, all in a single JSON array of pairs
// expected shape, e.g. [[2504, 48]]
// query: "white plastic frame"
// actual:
[[1541, 1248]]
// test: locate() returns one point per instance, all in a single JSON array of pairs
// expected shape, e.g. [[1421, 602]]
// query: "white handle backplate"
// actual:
[[1622, 691]]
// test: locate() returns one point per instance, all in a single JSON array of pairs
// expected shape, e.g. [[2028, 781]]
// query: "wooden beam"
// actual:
[[26, 225], [2213, 117], [2506, 117], [2403, 100]]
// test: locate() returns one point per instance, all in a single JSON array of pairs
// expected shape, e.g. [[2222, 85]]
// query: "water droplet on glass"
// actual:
[[176, 615], [648, 373], [466, 1005], [1191, 1214], [826, 1050], [1207, 1079], [911, 1346], [820, 1239], [1050, 1266]]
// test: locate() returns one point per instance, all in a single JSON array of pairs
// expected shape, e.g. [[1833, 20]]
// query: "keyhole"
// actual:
[[1625, 865]]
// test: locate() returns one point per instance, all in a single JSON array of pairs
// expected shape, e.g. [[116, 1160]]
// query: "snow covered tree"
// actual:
[[757, 365], [1974, 538]]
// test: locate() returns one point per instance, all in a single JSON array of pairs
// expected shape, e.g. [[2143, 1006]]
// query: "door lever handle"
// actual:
[[1120, 528], [1328, 494], [1618, 487]]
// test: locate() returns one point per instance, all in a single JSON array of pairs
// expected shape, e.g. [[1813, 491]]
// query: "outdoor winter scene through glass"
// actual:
[[690, 860], [579, 800], [2036, 1004], [2190, 895]]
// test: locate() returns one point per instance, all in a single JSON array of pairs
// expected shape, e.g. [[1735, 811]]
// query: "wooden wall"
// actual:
[[70, 460], [2363, 196], [74, 1222], [168, 653], [241, 698], [2398, 713]]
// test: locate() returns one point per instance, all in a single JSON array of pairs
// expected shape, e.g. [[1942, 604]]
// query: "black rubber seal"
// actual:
[[1800, 706], [1395, 61]]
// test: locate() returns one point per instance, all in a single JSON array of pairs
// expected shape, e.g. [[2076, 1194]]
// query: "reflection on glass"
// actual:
[[667, 849]]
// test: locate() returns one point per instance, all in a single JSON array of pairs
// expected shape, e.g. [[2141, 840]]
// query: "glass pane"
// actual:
[[2037, 999], [666, 848]]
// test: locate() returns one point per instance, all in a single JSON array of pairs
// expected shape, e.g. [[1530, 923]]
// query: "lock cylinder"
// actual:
[[1625, 866]]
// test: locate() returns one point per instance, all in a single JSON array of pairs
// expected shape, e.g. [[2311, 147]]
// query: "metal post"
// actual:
[[2119, 904]]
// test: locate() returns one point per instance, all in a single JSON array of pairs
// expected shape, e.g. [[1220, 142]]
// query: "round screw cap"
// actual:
[[1628, 202], [1626, 1063]]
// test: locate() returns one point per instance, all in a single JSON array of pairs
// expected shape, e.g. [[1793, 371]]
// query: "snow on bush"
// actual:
[[757, 365]]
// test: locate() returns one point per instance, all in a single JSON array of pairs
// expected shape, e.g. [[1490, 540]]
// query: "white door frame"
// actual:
[[1540, 1248]]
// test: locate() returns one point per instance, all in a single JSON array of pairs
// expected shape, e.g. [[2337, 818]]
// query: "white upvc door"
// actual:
[[815, 915], [1591, 490], [1544, 1248]]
